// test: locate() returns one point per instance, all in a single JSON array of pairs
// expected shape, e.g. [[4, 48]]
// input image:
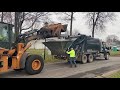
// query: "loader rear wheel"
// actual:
[[84, 59], [34, 64]]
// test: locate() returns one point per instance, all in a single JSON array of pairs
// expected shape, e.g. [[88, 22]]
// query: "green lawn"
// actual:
[[48, 58], [117, 74], [114, 53], [114, 75]]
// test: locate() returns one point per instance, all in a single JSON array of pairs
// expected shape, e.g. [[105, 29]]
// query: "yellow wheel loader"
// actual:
[[13, 53], [15, 57]]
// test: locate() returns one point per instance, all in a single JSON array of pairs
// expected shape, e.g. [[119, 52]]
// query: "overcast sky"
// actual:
[[80, 26]]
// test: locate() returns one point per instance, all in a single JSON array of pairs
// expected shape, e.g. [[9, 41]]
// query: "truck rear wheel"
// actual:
[[34, 64], [84, 59], [90, 58], [107, 56]]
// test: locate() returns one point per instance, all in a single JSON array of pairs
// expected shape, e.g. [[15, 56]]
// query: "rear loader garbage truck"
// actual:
[[87, 48]]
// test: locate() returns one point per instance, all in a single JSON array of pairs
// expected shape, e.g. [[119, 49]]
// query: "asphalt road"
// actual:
[[63, 70]]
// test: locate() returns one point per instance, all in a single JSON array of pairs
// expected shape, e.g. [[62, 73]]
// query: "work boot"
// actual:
[[71, 66], [75, 65]]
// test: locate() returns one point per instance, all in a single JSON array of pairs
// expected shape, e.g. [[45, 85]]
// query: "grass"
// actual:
[[48, 58], [114, 75], [114, 53]]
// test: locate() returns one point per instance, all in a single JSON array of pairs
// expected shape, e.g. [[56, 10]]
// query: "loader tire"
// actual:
[[34, 64]]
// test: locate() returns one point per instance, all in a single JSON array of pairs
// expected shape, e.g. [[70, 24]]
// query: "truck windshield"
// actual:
[[4, 33]]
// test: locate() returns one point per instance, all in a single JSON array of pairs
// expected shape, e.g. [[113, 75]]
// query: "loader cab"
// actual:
[[6, 35]]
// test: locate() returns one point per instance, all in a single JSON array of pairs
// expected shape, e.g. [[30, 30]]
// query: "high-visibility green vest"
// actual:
[[72, 53]]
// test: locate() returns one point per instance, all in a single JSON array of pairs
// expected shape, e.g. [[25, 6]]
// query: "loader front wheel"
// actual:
[[34, 64]]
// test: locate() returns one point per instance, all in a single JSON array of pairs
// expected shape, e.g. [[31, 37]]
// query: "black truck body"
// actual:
[[85, 47]]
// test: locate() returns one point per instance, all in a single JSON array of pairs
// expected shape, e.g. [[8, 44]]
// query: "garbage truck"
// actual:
[[86, 47]]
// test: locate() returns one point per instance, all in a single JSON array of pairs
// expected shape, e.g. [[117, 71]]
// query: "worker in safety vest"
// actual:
[[72, 57]]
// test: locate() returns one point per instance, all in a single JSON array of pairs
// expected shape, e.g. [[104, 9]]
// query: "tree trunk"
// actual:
[[95, 19], [16, 24], [71, 23], [20, 29], [21, 21], [93, 30], [2, 17], [10, 17]]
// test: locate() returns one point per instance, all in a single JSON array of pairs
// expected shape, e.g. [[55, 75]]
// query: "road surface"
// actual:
[[63, 70]]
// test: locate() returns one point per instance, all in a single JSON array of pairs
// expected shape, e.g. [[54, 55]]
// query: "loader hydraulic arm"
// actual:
[[25, 38]]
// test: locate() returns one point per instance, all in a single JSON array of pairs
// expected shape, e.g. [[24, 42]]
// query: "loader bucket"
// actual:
[[65, 28]]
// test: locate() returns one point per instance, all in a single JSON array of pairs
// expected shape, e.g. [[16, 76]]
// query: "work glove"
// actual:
[[67, 49]]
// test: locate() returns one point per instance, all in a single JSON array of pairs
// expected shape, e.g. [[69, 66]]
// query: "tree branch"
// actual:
[[36, 18], [31, 25]]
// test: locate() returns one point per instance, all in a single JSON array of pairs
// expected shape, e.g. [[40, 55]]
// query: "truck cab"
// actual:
[[104, 48]]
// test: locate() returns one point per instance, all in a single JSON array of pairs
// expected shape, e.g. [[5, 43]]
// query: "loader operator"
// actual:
[[45, 25], [72, 57]]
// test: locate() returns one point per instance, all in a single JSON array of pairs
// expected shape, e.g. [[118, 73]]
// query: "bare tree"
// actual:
[[2, 16], [71, 23], [6, 17], [68, 17], [17, 15], [26, 20], [110, 39], [30, 18], [23, 20], [97, 20]]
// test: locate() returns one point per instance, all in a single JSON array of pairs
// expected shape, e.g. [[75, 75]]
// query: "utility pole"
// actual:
[[45, 49], [17, 16], [71, 23]]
